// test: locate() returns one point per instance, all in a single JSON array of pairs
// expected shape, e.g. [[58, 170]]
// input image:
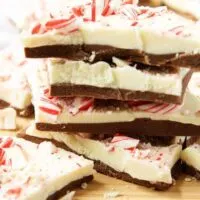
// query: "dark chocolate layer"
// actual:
[[72, 186], [105, 169], [27, 112], [191, 171], [106, 53], [192, 140], [3, 104], [143, 126]]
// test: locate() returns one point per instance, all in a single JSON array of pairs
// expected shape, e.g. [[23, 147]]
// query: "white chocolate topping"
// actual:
[[152, 30]]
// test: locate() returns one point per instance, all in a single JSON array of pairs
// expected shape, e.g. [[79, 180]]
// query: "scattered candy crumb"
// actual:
[[111, 194], [84, 186], [188, 179]]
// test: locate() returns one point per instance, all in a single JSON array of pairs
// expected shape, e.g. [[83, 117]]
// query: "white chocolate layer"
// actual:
[[33, 171], [8, 119], [191, 155], [144, 164], [155, 31], [123, 76]]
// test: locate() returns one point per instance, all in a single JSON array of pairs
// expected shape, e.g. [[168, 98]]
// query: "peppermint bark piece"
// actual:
[[119, 80], [153, 36], [190, 157], [32, 166], [8, 119], [14, 87], [122, 157], [89, 115]]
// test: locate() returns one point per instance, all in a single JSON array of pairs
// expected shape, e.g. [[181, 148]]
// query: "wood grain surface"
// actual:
[[104, 187]]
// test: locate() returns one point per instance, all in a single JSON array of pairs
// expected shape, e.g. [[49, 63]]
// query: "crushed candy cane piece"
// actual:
[[124, 141]]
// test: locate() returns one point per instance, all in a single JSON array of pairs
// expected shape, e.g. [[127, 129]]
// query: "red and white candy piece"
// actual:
[[64, 25], [107, 10], [180, 31], [80, 104], [2, 157], [6, 143], [124, 142], [130, 12], [93, 10], [48, 106], [135, 2], [78, 11], [15, 192], [151, 107]]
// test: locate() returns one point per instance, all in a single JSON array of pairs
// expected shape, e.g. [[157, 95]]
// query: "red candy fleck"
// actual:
[[15, 191], [56, 24], [93, 11], [87, 103], [7, 143], [112, 149], [178, 30], [158, 158], [2, 157], [78, 11], [46, 91], [107, 10], [130, 2], [49, 111], [134, 24], [36, 29]]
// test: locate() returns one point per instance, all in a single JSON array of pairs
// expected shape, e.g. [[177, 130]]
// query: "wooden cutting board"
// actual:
[[104, 187]]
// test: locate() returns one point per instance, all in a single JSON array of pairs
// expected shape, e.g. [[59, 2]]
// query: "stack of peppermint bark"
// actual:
[[111, 85]]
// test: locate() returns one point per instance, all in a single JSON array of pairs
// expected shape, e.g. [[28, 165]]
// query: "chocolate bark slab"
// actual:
[[143, 125], [106, 53], [107, 170]]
